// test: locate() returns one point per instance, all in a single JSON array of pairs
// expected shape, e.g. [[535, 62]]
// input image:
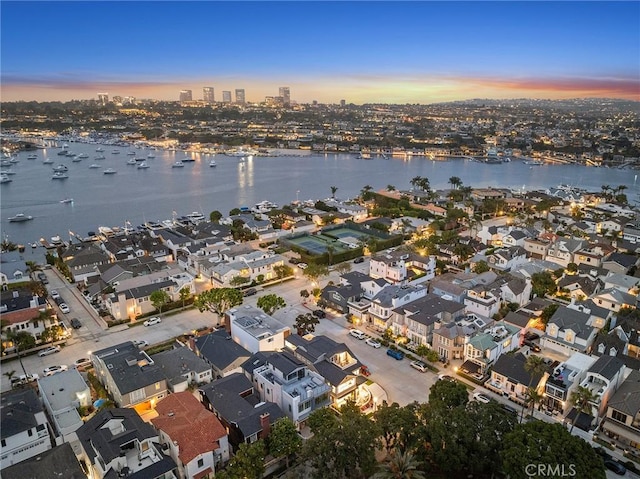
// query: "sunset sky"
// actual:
[[387, 52]]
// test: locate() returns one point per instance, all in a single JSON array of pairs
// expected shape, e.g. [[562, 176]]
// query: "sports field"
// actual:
[[319, 244]]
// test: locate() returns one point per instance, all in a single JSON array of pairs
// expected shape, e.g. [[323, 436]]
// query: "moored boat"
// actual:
[[59, 175], [109, 171], [177, 164], [212, 163], [19, 218], [67, 200], [143, 165]]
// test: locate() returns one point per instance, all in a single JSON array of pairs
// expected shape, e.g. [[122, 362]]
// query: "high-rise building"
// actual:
[[207, 95], [343, 102], [226, 97], [286, 95], [240, 96], [103, 98], [186, 95]]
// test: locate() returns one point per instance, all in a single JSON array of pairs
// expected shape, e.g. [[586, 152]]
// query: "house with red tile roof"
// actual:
[[196, 439]]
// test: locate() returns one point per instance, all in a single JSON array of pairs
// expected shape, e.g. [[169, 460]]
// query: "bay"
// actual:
[[139, 195]]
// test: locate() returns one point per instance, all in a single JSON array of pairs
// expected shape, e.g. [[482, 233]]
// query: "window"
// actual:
[[618, 416], [200, 462], [30, 432], [4, 443]]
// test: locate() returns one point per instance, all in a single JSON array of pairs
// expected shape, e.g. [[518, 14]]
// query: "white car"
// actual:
[[420, 366], [481, 398], [51, 370], [356, 333], [302, 265], [49, 350], [373, 343], [152, 321], [23, 379], [141, 343], [64, 308], [82, 362], [54, 294]]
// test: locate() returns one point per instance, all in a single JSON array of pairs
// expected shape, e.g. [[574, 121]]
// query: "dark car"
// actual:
[[294, 261], [395, 354], [531, 336], [318, 313], [359, 260], [615, 466], [509, 409], [75, 323], [250, 292], [533, 346], [43, 278]]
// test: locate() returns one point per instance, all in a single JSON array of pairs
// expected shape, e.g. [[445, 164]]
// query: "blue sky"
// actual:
[[417, 52]]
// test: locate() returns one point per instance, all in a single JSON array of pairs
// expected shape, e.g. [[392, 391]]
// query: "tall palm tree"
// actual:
[[533, 397], [535, 366], [581, 400], [455, 181], [415, 181], [402, 465], [391, 188], [333, 191]]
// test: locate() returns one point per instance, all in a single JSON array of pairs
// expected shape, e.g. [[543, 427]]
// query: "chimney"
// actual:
[[265, 425]]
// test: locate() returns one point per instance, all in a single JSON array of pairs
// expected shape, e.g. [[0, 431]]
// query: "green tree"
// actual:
[[185, 294], [306, 323], [391, 188], [270, 303], [284, 440], [52, 334], [548, 312], [282, 271], [218, 300], [581, 399], [248, 462], [316, 271], [397, 425], [333, 191], [343, 267], [234, 212], [535, 367], [159, 298], [304, 293], [538, 442], [455, 182], [533, 397], [215, 216], [401, 465], [38, 289], [447, 395], [365, 193], [342, 446], [542, 284], [239, 281], [481, 267]]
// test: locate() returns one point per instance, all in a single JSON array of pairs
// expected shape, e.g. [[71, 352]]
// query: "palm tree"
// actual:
[[581, 400], [333, 191], [455, 182], [402, 465], [9, 374], [533, 397], [605, 189], [391, 188], [365, 192], [415, 181], [535, 366]]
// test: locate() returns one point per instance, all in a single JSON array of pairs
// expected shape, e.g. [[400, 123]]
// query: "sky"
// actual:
[[362, 52]]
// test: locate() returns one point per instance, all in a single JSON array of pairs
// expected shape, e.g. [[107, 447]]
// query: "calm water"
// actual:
[[138, 195]]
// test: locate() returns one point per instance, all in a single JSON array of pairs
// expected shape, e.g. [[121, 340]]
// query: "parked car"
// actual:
[[49, 350], [152, 321], [359, 259], [23, 379], [364, 370], [294, 261], [51, 370], [481, 398], [532, 346], [43, 278], [302, 265], [250, 292], [54, 294], [318, 313], [64, 308], [82, 363], [419, 365], [373, 343], [395, 354], [615, 466], [356, 333], [75, 323], [509, 409], [531, 336], [141, 343], [445, 377]]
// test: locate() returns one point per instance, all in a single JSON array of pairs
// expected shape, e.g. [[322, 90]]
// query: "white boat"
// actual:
[[212, 163], [59, 175], [131, 153], [99, 149], [151, 155], [101, 157], [534, 162], [94, 166], [7, 172], [47, 161], [131, 161], [76, 159], [5, 179], [196, 217], [32, 157], [83, 155], [62, 153], [19, 218], [67, 201], [177, 164], [109, 171], [143, 165], [61, 168], [187, 159], [115, 152]]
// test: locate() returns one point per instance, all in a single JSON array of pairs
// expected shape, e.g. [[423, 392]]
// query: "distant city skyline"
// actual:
[[363, 52]]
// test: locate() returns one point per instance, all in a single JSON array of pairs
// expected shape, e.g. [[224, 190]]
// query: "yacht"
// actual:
[[61, 168], [196, 217], [99, 149], [76, 159], [5, 179], [67, 201], [212, 163], [534, 162], [83, 155], [59, 175], [7, 172], [115, 152], [47, 161], [177, 164], [101, 157], [109, 171], [94, 165], [143, 165], [131, 153], [62, 153], [32, 157], [151, 155], [188, 159], [131, 161], [19, 218]]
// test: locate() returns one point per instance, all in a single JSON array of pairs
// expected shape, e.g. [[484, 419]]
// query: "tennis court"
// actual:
[[346, 232], [318, 244]]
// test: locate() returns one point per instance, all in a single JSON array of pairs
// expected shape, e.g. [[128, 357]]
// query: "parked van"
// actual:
[[356, 333]]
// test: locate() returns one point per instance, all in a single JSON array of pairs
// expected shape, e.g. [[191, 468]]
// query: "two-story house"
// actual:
[[569, 330], [13, 268], [182, 368], [482, 350], [390, 298], [622, 422], [220, 352], [255, 330], [603, 379], [563, 250], [510, 378], [482, 301], [564, 380], [400, 266], [21, 311]]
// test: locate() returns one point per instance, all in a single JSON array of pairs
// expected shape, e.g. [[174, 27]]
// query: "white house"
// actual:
[[255, 330]]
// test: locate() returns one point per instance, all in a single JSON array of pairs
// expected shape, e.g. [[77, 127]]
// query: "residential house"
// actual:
[[287, 381], [613, 299], [388, 299], [118, 442], [603, 379], [569, 330], [239, 408], [59, 461], [593, 255], [623, 282], [13, 268], [620, 263], [338, 297], [182, 367], [82, 259], [482, 350], [255, 330], [536, 247], [219, 351], [62, 394], [337, 364], [400, 266], [563, 251], [130, 375], [482, 301], [622, 422], [449, 339], [579, 287], [510, 378], [174, 241], [564, 380], [515, 290], [506, 259], [416, 320], [515, 237], [195, 438], [20, 311], [356, 212], [134, 302], [23, 427]]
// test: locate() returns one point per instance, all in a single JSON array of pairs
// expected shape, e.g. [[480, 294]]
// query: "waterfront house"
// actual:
[[117, 441], [255, 330], [25, 430], [130, 376], [62, 394], [195, 438], [13, 268], [182, 368], [239, 408], [286, 381], [220, 352]]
